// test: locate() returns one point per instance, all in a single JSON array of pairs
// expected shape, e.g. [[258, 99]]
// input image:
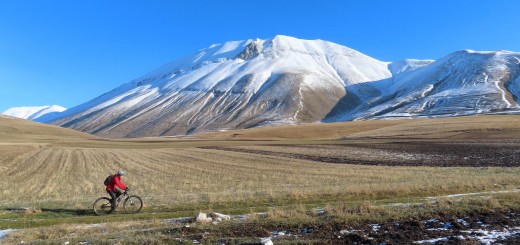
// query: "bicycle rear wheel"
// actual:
[[102, 206], [133, 204]]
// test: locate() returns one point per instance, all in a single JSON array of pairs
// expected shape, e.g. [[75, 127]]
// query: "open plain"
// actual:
[[354, 173]]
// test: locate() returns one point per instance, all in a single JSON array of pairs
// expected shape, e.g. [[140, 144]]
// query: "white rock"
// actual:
[[203, 217], [220, 217]]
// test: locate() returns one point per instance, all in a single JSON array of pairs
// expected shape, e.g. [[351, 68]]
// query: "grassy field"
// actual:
[[61, 171], [483, 127]]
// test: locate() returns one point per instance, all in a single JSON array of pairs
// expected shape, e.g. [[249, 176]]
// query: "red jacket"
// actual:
[[115, 182]]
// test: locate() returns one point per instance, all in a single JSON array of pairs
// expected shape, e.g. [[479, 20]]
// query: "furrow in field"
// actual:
[[53, 184], [247, 162], [188, 175], [14, 168], [29, 167]]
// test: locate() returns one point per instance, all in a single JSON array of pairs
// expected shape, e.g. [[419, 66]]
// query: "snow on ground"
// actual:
[[488, 237], [440, 239], [484, 236], [4, 233]]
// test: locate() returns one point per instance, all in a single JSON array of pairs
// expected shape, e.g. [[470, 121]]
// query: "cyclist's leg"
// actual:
[[118, 192], [113, 200]]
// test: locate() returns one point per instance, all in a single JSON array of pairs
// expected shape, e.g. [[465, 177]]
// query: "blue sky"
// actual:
[[70, 51]]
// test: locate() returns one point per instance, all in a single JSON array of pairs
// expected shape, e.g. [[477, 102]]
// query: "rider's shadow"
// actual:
[[75, 212], [60, 211]]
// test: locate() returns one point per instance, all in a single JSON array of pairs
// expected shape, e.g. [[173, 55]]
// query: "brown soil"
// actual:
[[433, 154], [470, 228], [448, 229]]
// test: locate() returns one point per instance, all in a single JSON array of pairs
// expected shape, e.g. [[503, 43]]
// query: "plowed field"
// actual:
[[50, 174]]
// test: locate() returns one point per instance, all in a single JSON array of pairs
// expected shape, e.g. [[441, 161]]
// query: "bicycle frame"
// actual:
[[121, 197]]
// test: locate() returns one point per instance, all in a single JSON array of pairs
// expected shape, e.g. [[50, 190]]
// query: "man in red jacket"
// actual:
[[113, 191]]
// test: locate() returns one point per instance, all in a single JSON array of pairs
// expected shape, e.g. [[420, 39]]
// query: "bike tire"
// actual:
[[133, 204], [102, 206]]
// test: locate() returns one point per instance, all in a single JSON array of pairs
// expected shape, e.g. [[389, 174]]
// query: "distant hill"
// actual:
[[25, 131], [32, 112]]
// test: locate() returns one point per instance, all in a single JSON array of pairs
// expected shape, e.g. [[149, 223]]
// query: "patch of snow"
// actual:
[[437, 229], [447, 225], [278, 233], [463, 222], [502, 92], [440, 239], [432, 241], [407, 65], [375, 227], [346, 232], [266, 241], [6, 232], [488, 237], [431, 221]]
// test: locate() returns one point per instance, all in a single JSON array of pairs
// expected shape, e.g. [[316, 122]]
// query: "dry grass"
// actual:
[[302, 132], [48, 174], [334, 218], [44, 166], [68, 171], [483, 127], [19, 131]]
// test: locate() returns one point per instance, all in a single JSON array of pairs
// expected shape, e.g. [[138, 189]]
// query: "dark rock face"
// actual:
[[252, 50]]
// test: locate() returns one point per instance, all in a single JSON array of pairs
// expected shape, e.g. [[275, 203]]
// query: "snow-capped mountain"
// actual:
[[233, 85], [32, 112], [462, 83], [285, 80]]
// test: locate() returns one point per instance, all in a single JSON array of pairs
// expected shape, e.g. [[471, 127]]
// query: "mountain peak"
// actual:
[[284, 38], [252, 50]]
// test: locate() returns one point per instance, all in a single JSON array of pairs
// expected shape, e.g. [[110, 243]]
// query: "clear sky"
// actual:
[[67, 52]]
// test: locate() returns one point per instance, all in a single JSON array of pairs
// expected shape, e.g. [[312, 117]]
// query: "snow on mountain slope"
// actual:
[[32, 112], [462, 83], [234, 85], [284, 80], [407, 65]]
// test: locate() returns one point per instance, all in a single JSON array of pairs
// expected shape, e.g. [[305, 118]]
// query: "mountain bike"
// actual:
[[131, 204]]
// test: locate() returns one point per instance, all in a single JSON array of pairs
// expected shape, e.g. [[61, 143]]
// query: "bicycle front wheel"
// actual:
[[133, 204], [102, 206]]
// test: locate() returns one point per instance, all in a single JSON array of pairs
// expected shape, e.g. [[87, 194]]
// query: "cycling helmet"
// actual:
[[121, 172]]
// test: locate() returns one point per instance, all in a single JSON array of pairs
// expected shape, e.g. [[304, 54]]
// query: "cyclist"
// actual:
[[113, 191]]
